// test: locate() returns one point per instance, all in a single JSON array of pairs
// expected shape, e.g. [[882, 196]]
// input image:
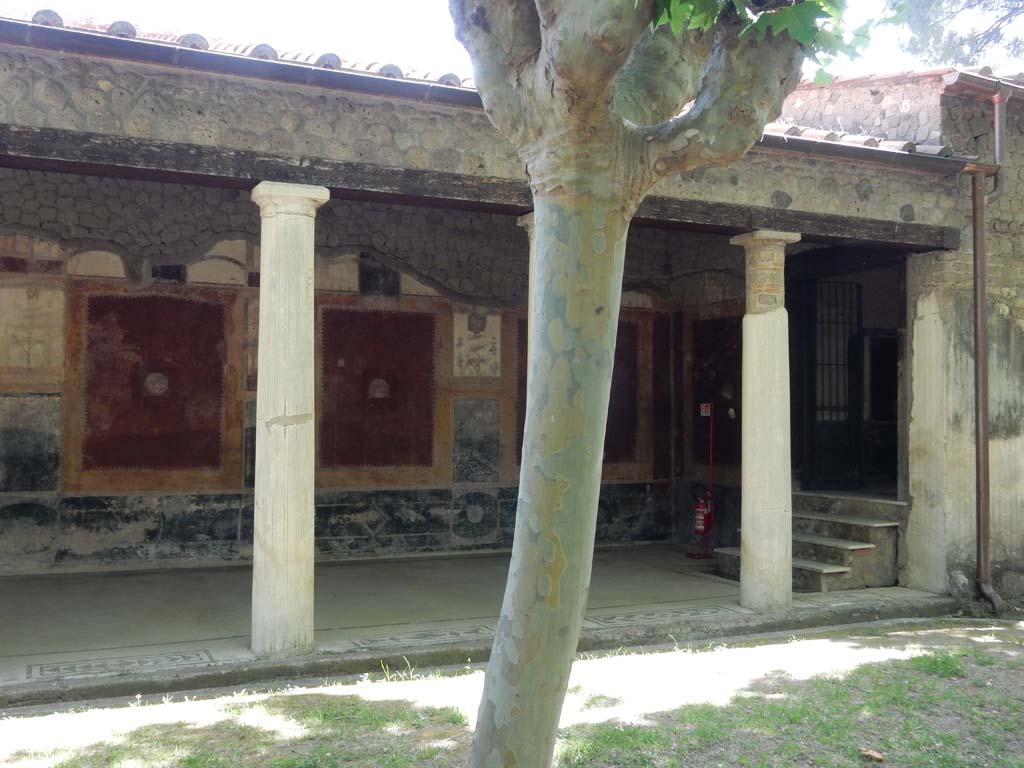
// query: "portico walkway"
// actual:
[[60, 629]]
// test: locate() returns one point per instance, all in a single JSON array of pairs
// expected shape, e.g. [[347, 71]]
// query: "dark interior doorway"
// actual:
[[847, 315]]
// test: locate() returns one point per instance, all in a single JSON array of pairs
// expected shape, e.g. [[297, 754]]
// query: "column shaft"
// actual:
[[766, 527], [282, 585]]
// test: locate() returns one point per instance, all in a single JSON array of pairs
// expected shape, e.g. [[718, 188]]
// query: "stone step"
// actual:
[[823, 563], [829, 549], [850, 527], [815, 567], [867, 522], [878, 507], [875, 567], [808, 575], [828, 541]]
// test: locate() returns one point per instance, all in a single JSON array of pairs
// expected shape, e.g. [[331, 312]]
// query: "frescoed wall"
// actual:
[[127, 412]]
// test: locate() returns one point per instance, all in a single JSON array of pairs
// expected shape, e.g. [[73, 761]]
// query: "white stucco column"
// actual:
[[766, 526], [282, 578]]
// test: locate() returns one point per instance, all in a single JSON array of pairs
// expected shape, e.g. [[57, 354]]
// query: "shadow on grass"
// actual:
[[959, 703], [954, 706], [289, 731]]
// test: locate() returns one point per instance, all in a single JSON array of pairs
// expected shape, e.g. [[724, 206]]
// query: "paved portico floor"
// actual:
[[57, 629]]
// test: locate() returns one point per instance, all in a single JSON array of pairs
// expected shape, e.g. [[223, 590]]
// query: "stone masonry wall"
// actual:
[[39, 89], [904, 108], [472, 256]]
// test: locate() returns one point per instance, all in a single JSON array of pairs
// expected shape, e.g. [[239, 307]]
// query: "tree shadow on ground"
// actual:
[[288, 731], [959, 703]]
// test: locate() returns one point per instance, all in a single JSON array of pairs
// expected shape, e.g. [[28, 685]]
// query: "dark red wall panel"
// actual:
[[377, 388], [661, 394], [621, 434], [154, 383], [717, 363], [620, 437]]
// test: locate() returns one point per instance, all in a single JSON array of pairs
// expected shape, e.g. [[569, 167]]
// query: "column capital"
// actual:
[[764, 237], [281, 197], [766, 268]]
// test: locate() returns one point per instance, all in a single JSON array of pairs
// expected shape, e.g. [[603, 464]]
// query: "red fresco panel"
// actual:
[[717, 363], [377, 388], [154, 383], [621, 433]]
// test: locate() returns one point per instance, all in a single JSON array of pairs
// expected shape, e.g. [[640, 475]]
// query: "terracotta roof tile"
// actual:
[[861, 140], [322, 59]]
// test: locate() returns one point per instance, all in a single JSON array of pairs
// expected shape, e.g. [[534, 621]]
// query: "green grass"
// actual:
[[339, 731], [942, 664], [919, 713], [957, 705]]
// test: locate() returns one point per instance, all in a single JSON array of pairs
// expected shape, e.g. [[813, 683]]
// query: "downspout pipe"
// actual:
[[980, 200]]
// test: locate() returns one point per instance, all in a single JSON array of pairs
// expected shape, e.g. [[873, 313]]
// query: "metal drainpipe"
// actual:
[[979, 201]]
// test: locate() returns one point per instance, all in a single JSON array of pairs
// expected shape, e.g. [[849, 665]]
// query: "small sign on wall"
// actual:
[[705, 410], [477, 345]]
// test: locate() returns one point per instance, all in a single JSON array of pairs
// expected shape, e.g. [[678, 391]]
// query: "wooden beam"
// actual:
[[815, 227], [65, 151]]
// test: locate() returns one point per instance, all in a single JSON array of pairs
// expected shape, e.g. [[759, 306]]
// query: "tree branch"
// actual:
[[743, 87], [586, 42], [661, 75], [502, 38]]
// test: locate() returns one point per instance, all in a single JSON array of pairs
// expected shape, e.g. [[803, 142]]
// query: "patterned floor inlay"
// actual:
[[819, 599], [118, 665], [667, 616], [425, 637]]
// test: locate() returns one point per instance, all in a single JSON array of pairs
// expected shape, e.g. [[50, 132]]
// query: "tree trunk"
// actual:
[[576, 267]]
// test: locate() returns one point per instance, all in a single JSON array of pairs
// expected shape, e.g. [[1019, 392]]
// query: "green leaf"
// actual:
[[821, 77]]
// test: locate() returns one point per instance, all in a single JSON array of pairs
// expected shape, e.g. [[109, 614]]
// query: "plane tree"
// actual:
[[602, 99]]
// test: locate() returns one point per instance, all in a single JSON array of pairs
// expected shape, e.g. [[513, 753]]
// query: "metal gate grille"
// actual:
[[836, 396]]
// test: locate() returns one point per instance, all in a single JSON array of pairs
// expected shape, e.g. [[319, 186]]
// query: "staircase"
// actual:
[[839, 542]]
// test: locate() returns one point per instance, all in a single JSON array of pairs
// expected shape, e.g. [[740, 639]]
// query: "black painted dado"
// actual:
[[208, 529], [475, 519], [249, 445], [476, 448], [29, 442]]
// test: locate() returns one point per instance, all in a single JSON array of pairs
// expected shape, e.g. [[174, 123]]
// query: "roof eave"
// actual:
[[148, 51], [834, 150], [973, 83]]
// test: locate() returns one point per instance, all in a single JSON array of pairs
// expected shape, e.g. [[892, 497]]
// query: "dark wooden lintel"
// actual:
[[96, 154], [828, 228]]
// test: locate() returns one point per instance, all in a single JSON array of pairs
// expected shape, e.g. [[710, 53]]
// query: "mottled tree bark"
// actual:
[[575, 286], [592, 99]]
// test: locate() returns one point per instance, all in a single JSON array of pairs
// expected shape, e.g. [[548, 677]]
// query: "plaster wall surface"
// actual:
[[941, 527]]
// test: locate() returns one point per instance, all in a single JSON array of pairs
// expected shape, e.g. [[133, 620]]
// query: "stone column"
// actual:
[[282, 578], [766, 526]]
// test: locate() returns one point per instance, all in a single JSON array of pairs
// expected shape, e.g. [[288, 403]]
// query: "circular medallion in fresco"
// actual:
[[156, 384], [379, 389]]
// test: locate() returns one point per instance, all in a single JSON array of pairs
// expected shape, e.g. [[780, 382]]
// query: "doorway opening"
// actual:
[[847, 331]]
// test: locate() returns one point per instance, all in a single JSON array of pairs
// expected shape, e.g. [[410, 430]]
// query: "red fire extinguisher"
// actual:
[[703, 508], [700, 517]]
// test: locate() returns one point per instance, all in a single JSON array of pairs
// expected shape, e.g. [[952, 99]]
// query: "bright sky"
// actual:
[[414, 34]]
